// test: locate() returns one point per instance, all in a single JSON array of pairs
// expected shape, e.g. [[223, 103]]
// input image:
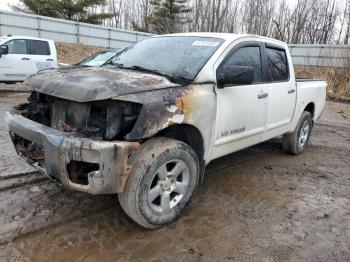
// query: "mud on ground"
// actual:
[[255, 205]]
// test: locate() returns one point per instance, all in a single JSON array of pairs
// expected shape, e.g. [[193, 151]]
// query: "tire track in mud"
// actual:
[[78, 213], [40, 206], [38, 179], [24, 234], [233, 164], [31, 204], [20, 180], [263, 197], [9, 176]]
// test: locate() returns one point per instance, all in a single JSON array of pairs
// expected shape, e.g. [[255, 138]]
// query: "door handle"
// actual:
[[49, 59], [291, 91], [25, 58], [263, 95]]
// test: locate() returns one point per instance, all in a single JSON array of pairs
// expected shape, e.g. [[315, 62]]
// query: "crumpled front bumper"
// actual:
[[61, 148]]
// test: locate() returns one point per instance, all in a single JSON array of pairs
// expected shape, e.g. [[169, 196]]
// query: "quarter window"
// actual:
[[40, 47], [17, 46], [247, 56], [277, 64]]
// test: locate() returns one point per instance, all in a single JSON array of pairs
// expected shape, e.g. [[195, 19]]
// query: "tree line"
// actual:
[[302, 21]]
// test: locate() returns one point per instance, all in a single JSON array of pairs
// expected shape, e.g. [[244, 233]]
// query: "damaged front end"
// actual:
[[76, 143], [82, 126]]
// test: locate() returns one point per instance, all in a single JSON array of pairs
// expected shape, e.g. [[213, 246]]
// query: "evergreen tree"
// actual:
[[168, 16], [66, 9]]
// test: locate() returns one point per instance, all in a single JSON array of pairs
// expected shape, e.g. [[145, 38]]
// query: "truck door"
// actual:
[[41, 55], [241, 109], [281, 89], [17, 64]]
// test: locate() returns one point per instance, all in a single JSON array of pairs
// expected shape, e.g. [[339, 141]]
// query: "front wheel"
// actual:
[[297, 142], [164, 175]]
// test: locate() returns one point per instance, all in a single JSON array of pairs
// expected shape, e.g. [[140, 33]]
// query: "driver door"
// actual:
[[241, 109]]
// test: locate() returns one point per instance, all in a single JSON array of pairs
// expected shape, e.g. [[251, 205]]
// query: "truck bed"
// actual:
[[306, 80]]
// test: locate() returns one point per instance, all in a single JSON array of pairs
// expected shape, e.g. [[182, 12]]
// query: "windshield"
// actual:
[[98, 59], [174, 57]]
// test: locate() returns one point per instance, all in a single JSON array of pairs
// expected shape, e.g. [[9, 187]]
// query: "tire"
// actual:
[[297, 142], [164, 175]]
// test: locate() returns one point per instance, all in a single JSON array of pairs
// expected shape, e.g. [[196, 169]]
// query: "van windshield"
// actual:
[[98, 59], [175, 57]]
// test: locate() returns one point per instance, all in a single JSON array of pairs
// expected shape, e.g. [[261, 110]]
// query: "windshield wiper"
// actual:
[[176, 79], [116, 64]]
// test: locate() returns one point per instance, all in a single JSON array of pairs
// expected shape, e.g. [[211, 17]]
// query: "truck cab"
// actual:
[[23, 56]]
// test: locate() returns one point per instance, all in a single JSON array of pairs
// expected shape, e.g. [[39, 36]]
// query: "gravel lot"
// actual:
[[255, 205]]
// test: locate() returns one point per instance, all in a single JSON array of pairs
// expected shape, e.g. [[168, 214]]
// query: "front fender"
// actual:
[[193, 104], [160, 109]]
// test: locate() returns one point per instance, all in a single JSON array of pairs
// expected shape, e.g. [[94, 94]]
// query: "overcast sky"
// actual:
[[4, 4]]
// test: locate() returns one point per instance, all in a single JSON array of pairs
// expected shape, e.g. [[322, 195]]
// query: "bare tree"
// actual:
[[346, 38], [307, 21]]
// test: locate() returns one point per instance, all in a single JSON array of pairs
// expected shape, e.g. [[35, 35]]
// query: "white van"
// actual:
[[23, 56]]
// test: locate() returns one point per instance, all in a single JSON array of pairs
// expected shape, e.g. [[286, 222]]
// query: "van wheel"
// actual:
[[297, 142], [164, 175]]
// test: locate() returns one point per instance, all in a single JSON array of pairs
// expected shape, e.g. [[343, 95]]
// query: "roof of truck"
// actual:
[[22, 37], [226, 36]]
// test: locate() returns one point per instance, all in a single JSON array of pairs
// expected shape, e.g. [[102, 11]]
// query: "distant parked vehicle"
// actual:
[[98, 59], [23, 56]]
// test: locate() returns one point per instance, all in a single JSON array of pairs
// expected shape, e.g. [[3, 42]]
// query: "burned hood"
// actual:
[[91, 84]]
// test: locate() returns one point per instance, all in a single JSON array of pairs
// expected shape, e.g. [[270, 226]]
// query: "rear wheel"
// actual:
[[164, 175], [297, 142]]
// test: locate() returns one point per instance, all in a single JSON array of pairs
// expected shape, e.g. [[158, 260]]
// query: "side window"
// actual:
[[277, 64], [39, 47], [17, 46], [247, 56]]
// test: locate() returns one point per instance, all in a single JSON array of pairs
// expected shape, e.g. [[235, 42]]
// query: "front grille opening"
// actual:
[[106, 119], [78, 171], [98, 120], [38, 109]]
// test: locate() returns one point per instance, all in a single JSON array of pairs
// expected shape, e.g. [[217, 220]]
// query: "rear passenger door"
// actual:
[[281, 89], [40, 55]]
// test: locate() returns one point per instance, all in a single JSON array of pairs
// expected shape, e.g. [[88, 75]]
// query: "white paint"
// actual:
[[172, 108], [178, 119]]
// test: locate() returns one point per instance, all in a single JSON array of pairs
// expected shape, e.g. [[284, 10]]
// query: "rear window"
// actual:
[[39, 47], [277, 64]]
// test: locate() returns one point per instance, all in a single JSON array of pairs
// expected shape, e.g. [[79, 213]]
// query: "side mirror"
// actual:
[[4, 49], [235, 75]]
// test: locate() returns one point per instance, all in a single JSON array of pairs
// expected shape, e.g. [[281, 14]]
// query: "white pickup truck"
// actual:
[[23, 56], [146, 125]]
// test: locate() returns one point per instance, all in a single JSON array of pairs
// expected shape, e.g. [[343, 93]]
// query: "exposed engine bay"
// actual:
[[107, 120]]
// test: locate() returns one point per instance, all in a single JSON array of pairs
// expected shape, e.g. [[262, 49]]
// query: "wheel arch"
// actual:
[[311, 109], [191, 136]]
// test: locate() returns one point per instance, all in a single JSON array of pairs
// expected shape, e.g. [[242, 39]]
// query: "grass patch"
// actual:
[[338, 79]]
